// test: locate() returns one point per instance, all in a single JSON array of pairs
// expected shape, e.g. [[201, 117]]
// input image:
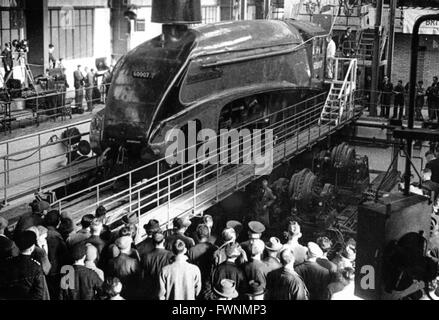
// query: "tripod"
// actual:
[[29, 78]]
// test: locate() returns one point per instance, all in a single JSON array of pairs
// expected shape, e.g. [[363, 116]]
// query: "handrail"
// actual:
[[38, 162], [202, 184]]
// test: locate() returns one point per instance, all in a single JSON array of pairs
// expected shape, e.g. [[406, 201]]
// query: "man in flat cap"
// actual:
[[152, 264], [228, 236], [255, 231], [315, 277], [33, 218], [151, 228], [126, 268], [180, 227], [24, 278], [229, 269], [273, 248]]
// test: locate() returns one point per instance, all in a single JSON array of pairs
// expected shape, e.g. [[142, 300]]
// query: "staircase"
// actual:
[[340, 101], [331, 110], [366, 43]]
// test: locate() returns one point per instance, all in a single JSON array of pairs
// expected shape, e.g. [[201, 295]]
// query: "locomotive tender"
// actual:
[[210, 74]]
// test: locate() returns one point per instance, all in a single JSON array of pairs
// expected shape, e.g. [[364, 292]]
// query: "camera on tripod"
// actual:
[[20, 45]]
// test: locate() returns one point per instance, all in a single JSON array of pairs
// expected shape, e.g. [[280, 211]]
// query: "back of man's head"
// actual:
[[79, 252], [229, 235], [96, 227], [86, 221], [287, 257], [101, 212], [179, 247], [52, 219]]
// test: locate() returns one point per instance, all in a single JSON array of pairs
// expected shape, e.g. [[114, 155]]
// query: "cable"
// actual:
[[52, 139]]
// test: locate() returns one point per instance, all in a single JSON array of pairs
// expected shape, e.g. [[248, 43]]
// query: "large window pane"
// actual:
[[54, 18], [5, 20], [69, 42]]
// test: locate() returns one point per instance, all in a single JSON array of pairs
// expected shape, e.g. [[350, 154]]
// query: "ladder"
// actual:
[[331, 109]]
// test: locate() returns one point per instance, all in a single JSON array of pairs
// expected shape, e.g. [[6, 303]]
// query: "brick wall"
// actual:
[[427, 69]]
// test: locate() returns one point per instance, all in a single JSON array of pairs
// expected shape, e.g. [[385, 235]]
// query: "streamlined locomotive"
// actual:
[[211, 74]]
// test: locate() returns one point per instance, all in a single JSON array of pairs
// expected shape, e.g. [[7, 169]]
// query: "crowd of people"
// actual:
[[47, 258], [397, 96]]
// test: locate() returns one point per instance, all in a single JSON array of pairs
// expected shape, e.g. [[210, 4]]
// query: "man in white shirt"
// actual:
[[330, 56]]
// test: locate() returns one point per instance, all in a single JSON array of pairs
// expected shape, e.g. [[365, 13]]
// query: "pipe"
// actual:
[[376, 60], [412, 101]]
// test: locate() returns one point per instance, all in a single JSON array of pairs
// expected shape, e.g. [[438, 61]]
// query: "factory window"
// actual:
[[9, 26], [72, 33], [209, 14], [140, 25]]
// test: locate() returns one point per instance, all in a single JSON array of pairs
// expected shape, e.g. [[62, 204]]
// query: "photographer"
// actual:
[[52, 60], [8, 62]]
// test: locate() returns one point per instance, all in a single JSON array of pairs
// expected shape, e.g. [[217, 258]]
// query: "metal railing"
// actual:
[[166, 193], [343, 87], [52, 104], [37, 167]]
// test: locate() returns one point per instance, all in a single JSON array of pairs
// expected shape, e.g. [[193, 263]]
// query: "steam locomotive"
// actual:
[[207, 74]]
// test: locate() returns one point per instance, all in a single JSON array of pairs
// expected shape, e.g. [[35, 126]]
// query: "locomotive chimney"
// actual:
[[176, 16]]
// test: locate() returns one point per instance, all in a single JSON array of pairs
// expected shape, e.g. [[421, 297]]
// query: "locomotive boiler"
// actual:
[[210, 75]]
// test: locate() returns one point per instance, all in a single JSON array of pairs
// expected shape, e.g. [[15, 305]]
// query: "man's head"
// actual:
[[203, 233], [86, 221], [400, 82], [40, 207], [229, 235], [52, 219], [257, 248], [348, 30], [179, 248], [152, 227], [255, 229], [208, 221], [158, 239], [420, 83], [435, 79], [92, 70], [325, 244], [181, 224], [273, 247], [26, 242], [314, 251], [386, 79], [287, 258], [294, 230], [79, 67], [112, 287], [51, 46], [329, 38], [7, 45], [232, 251], [79, 253], [96, 227], [124, 244], [101, 213], [91, 253], [86, 69]]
